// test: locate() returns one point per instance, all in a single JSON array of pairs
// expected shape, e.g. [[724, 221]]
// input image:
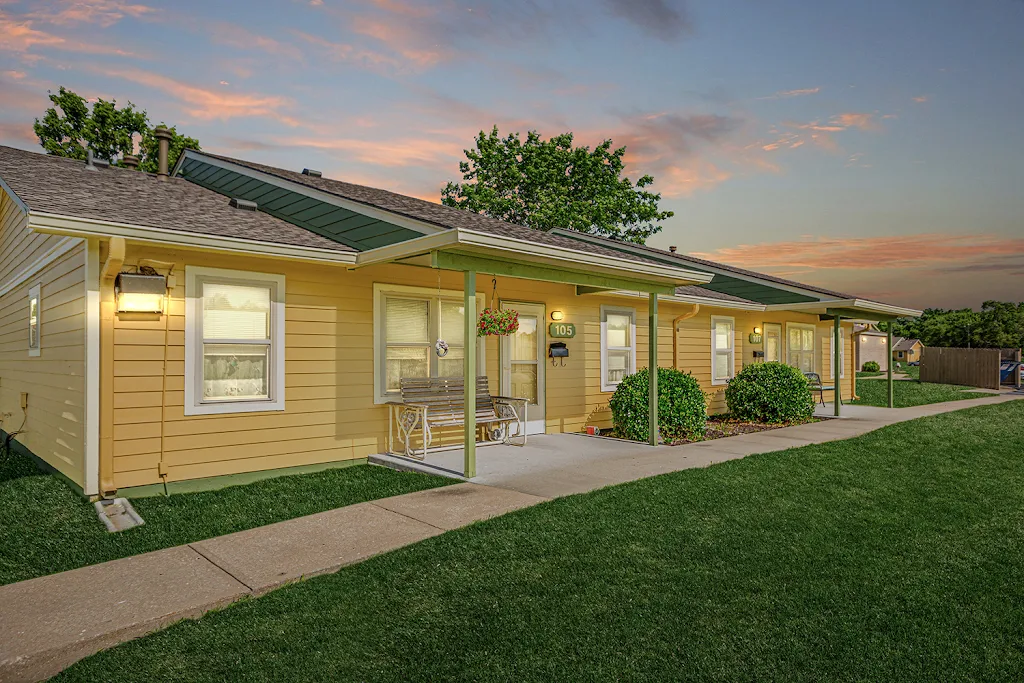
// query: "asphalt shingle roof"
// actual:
[[429, 212], [56, 185], [905, 344]]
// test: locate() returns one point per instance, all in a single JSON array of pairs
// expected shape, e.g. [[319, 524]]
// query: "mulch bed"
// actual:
[[722, 426]]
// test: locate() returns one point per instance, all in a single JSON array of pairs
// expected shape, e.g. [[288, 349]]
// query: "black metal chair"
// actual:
[[814, 380]]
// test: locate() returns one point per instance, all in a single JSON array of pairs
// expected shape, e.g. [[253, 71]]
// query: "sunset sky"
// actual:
[[874, 147]]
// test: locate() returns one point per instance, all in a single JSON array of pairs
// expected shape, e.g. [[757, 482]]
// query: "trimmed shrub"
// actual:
[[769, 392], [682, 409], [871, 366]]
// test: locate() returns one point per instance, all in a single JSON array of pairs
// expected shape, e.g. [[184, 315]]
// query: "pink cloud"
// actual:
[[396, 152], [920, 99], [785, 94], [18, 35], [207, 104], [346, 52], [236, 36], [103, 12]]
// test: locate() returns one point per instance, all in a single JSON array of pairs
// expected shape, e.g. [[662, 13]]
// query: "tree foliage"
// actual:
[[69, 128], [547, 184], [999, 324]]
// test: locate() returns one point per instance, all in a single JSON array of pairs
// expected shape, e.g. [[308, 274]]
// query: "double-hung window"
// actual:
[[800, 346], [618, 345], [409, 322], [234, 341], [723, 349], [34, 321]]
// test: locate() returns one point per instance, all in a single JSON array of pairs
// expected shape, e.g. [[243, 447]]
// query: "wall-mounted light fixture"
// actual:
[[757, 330], [140, 293], [557, 315]]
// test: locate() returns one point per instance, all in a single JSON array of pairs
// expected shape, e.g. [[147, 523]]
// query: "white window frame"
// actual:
[[380, 293], [814, 345], [842, 354], [618, 310], [715, 351], [194, 404], [35, 336], [782, 341]]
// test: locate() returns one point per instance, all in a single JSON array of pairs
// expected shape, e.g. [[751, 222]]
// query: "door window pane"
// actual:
[[236, 371], [524, 381], [405, 361], [771, 346], [235, 311], [524, 342]]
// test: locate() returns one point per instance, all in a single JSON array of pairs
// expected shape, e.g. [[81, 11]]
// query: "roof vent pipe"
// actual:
[[163, 137], [672, 249], [310, 172], [130, 161], [89, 160]]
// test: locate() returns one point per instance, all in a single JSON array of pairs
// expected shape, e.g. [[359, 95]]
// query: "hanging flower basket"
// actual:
[[500, 322]]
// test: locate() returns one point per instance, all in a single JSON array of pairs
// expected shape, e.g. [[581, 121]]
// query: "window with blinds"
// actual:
[[34, 322], [618, 345], [234, 332], [411, 328], [723, 349], [800, 347]]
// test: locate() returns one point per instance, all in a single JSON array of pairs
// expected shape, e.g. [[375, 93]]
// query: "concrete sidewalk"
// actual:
[[50, 622]]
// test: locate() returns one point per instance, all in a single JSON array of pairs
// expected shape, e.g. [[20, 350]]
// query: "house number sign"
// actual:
[[562, 330]]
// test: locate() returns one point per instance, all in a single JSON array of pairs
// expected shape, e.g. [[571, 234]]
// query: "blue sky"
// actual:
[[874, 147]]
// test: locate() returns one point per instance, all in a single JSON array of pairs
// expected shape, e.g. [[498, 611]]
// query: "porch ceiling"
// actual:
[[854, 309]]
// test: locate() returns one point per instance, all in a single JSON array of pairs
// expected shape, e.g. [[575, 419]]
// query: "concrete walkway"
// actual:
[[50, 622]]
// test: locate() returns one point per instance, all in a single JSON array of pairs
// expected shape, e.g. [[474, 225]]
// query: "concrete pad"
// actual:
[[269, 556], [451, 507], [49, 623]]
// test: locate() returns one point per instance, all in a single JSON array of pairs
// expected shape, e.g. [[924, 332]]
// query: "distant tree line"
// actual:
[[999, 324]]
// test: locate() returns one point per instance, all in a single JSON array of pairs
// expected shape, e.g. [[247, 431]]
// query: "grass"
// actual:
[[862, 373], [45, 527], [907, 393], [898, 555]]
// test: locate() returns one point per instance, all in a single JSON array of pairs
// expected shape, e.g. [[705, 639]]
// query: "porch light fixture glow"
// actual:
[[557, 315], [140, 293], [757, 330]]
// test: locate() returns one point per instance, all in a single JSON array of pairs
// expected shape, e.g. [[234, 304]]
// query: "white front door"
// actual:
[[522, 363]]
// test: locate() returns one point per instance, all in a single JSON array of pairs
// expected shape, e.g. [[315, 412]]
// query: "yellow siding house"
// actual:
[[226, 318]]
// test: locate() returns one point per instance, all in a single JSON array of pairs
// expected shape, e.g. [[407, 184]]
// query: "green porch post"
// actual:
[[652, 365], [888, 364], [469, 373], [837, 368]]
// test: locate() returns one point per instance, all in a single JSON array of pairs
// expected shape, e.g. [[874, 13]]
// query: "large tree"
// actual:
[[998, 324], [69, 128], [548, 184]]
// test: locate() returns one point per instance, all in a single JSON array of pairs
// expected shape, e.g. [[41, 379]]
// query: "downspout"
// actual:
[[111, 267], [675, 334]]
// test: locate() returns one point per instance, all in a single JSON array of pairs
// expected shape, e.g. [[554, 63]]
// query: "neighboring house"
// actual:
[[270, 335], [906, 350], [871, 345]]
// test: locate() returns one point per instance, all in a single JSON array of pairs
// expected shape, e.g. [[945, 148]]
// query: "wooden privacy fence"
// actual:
[[967, 367]]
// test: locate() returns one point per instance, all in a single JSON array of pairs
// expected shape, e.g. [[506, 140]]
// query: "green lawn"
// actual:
[[898, 555], [46, 528], [907, 393], [862, 373]]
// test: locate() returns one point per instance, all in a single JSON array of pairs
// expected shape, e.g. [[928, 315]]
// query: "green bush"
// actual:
[[682, 410], [871, 366], [769, 392]]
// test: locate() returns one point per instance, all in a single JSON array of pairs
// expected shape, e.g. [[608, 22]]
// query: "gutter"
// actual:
[[863, 305]]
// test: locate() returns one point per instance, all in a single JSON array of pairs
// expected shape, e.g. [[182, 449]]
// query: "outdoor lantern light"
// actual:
[[556, 315], [140, 293], [757, 330]]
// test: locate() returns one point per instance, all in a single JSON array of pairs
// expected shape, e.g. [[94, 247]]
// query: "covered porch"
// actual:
[[479, 256]]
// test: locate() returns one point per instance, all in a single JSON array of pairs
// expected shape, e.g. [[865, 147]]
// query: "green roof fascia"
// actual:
[[344, 226]]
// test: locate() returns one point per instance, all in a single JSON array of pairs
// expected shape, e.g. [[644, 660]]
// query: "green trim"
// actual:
[[584, 289], [45, 467], [469, 373], [837, 368], [888, 366], [652, 370], [226, 480], [830, 313], [530, 271]]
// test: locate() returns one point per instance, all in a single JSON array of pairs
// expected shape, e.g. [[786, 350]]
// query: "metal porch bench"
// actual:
[[814, 380], [430, 403]]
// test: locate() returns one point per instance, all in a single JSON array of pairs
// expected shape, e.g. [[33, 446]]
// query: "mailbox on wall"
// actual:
[[558, 350]]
